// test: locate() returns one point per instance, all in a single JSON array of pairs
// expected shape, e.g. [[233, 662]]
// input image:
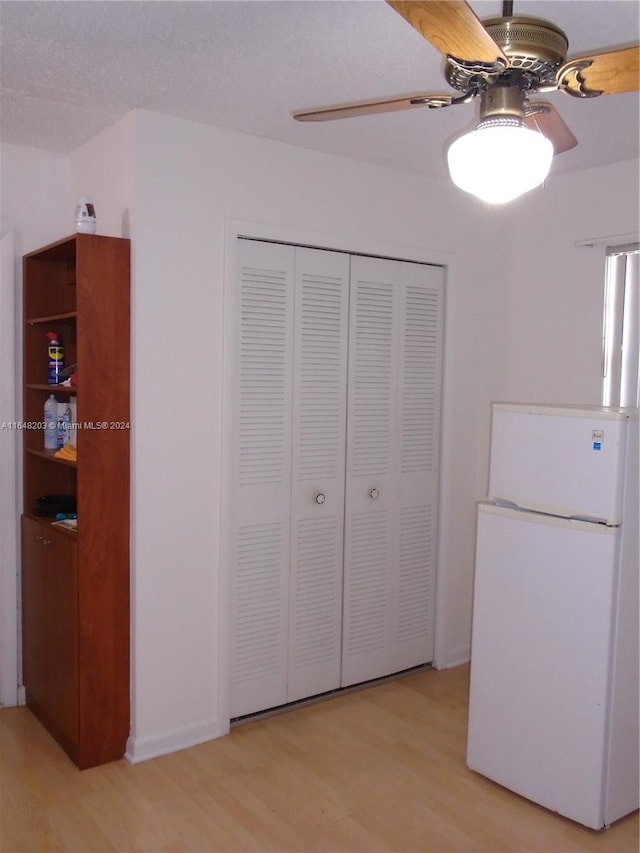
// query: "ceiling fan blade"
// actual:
[[544, 117], [384, 105], [610, 73], [452, 27]]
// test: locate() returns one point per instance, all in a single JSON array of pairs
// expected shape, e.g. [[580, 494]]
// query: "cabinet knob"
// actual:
[[320, 498], [374, 494]]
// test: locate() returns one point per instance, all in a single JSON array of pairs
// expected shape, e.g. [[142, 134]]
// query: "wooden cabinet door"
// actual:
[[50, 628], [34, 631], [61, 588]]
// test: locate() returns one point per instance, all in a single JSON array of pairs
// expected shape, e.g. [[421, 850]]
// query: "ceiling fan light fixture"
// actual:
[[500, 160]]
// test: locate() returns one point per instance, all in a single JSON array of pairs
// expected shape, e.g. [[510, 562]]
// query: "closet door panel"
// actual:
[[261, 497], [370, 479], [319, 423], [417, 464], [335, 450]]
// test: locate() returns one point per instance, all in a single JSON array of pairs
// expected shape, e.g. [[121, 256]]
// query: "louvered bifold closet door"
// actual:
[[395, 345], [261, 490], [370, 481], [417, 464], [319, 423]]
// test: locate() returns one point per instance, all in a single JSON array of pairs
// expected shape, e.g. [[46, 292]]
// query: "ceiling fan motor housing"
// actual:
[[502, 104], [531, 45]]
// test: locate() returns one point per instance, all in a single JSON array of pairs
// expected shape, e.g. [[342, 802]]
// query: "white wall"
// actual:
[[35, 197], [105, 169], [554, 289], [191, 183], [34, 189], [184, 186], [8, 483]]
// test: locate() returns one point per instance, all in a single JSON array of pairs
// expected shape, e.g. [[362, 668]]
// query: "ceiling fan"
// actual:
[[503, 62]]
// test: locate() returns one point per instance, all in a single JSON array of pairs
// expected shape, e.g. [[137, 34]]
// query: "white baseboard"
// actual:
[[456, 657], [144, 748]]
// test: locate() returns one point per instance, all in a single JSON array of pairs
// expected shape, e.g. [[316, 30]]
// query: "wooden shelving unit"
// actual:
[[75, 586]]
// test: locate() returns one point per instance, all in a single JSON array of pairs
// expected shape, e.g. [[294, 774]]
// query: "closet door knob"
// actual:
[[374, 494], [320, 498]]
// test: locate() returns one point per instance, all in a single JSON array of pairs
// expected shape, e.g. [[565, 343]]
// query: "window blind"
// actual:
[[621, 327]]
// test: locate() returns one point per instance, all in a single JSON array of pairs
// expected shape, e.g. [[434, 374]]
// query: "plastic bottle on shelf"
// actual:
[[63, 431], [51, 423], [56, 358]]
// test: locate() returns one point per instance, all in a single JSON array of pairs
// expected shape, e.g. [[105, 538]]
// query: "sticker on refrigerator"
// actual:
[[597, 436]]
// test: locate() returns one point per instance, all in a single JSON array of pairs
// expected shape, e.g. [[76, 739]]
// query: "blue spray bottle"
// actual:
[[56, 358]]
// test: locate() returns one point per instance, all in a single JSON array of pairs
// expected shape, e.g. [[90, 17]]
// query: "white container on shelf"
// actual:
[[51, 423], [85, 216]]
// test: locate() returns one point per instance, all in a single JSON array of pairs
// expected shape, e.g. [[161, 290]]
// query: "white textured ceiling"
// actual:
[[69, 69]]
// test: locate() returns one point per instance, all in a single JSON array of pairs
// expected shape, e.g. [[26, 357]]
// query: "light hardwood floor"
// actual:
[[380, 769]]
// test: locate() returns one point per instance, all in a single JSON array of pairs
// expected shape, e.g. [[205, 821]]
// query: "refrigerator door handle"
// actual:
[[590, 519], [507, 504]]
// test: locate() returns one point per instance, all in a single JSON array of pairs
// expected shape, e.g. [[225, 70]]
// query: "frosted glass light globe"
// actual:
[[499, 163]]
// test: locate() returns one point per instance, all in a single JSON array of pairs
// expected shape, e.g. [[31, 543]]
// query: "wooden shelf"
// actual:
[[51, 455], [48, 522], [75, 605], [53, 389], [52, 318]]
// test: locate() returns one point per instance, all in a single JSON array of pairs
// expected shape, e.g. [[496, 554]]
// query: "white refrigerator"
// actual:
[[553, 707]]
